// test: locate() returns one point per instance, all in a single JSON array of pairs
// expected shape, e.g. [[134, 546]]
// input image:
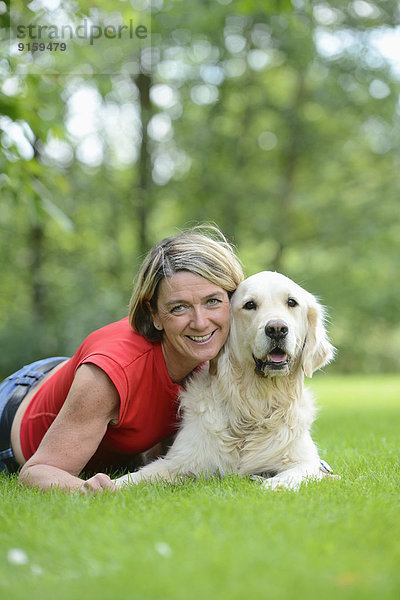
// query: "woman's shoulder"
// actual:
[[119, 342], [118, 332]]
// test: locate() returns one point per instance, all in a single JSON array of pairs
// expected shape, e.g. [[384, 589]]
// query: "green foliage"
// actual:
[[279, 122], [227, 538]]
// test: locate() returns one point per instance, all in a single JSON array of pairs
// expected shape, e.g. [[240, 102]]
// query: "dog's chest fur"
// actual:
[[249, 425]]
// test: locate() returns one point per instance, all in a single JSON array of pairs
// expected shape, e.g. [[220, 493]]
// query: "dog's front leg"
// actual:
[[194, 451], [303, 465], [292, 477], [155, 471]]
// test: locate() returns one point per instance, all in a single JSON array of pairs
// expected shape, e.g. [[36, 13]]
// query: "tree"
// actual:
[[279, 123]]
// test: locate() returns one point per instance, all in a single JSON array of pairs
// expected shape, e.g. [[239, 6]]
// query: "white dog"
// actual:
[[250, 414]]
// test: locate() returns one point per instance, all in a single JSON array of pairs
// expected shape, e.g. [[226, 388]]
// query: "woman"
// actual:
[[117, 396]]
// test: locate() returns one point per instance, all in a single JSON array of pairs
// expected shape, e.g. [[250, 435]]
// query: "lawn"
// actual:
[[227, 539]]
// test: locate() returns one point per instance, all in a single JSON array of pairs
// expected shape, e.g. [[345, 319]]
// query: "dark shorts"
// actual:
[[12, 391]]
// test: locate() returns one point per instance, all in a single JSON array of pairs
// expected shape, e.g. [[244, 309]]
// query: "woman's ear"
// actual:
[[317, 351], [154, 316]]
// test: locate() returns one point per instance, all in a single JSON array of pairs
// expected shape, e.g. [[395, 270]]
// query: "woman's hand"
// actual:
[[98, 483]]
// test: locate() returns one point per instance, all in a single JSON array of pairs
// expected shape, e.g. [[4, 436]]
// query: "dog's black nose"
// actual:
[[276, 329]]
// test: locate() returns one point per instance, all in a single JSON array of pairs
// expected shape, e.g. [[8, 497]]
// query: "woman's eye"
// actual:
[[178, 308], [213, 301], [292, 302], [250, 305]]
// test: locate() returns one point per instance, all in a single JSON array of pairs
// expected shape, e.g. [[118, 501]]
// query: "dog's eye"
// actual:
[[292, 302], [250, 305]]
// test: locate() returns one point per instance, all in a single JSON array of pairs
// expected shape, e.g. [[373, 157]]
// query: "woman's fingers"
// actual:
[[98, 483]]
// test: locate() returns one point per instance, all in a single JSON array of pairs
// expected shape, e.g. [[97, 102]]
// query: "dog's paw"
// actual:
[[277, 482], [281, 483], [126, 480], [327, 471], [292, 479]]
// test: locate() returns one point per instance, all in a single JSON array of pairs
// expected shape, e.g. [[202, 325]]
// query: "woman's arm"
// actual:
[[74, 436]]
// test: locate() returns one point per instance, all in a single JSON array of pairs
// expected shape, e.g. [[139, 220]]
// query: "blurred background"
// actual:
[[278, 121]]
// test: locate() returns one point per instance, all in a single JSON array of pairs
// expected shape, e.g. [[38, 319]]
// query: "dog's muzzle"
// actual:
[[277, 360]]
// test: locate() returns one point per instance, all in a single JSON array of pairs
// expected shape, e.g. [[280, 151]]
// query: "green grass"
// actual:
[[227, 539]]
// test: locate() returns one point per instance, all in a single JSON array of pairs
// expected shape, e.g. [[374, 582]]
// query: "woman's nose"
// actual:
[[199, 318]]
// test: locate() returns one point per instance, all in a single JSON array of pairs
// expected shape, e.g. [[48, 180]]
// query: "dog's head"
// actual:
[[277, 325]]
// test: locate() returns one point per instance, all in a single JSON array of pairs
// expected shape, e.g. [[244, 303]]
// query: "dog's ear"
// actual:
[[213, 365], [218, 363], [317, 351]]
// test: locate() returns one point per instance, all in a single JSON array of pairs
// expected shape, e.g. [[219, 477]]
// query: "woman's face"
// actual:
[[194, 315]]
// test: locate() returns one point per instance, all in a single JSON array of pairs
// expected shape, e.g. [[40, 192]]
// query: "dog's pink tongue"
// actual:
[[276, 358]]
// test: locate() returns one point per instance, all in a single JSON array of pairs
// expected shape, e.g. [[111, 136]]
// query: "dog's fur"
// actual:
[[250, 414]]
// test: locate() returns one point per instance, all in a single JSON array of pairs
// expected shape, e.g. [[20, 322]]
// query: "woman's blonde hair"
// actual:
[[202, 250]]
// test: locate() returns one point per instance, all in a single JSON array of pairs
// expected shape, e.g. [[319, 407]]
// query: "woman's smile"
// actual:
[[201, 339]]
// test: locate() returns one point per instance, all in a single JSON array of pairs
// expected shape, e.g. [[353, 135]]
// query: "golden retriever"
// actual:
[[251, 414]]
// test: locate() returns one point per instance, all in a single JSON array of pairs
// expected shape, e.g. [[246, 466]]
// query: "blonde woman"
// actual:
[[117, 396]]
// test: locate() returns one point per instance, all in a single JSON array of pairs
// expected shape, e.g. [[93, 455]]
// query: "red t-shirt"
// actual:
[[148, 397]]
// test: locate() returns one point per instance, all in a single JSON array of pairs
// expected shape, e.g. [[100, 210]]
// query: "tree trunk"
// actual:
[[143, 83], [36, 239], [284, 220]]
